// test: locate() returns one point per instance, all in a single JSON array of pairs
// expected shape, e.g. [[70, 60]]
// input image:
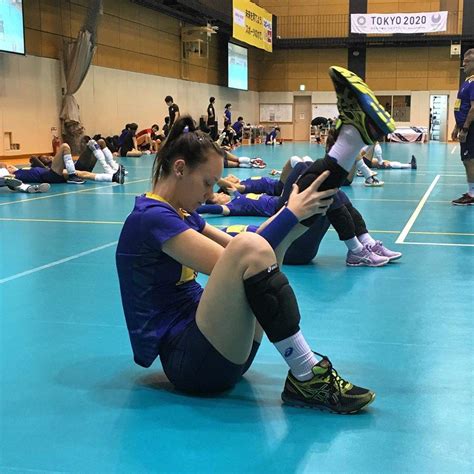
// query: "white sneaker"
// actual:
[[38, 188]]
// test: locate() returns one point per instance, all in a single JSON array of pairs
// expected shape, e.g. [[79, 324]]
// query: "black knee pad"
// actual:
[[359, 223], [273, 303], [342, 222], [334, 180]]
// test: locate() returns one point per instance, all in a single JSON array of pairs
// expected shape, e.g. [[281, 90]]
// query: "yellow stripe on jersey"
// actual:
[[255, 178], [253, 196], [187, 274], [157, 197], [237, 229], [457, 105]]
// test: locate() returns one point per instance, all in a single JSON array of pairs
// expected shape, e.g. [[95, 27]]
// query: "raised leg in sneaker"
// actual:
[[379, 249], [365, 258], [326, 390], [359, 107], [413, 163]]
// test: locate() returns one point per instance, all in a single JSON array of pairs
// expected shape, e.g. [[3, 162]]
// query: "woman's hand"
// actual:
[[309, 202]]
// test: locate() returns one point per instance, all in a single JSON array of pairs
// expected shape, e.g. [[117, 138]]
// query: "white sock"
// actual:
[[69, 164], [470, 189], [294, 160], [4, 172], [109, 158], [366, 239], [397, 165], [364, 169], [354, 245], [244, 159], [307, 159], [103, 177], [378, 153], [99, 156], [347, 146], [298, 355], [23, 187]]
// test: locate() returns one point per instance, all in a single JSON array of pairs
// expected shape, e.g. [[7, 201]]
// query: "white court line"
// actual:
[[401, 238], [439, 244], [454, 149], [57, 262], [49, 196], [56, 221]]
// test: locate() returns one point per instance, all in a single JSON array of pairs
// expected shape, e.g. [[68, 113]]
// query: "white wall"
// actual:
[[30, 100]]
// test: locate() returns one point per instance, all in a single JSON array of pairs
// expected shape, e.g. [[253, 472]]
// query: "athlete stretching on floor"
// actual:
[[164, 242]]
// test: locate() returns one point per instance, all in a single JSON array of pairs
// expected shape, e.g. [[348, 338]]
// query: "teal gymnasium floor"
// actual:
[[73, 401]]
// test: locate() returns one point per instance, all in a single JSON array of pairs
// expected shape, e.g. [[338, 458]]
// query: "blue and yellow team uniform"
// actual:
[[263, 185], [39, 175], [251, 204], [461, 110], [159, 294]]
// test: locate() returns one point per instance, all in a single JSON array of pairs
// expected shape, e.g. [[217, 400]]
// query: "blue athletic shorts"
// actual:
[[467, 148], [192, 364]]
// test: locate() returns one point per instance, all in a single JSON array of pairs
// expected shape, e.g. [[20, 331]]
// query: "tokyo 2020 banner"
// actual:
[[393, 23]]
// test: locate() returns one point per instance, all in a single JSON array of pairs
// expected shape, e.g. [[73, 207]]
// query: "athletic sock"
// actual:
[[109, 158], [347, 146], [100, 157], [23, 187], [363, 168], [354, 245], [294, 160], [366, 239], [470, 189], [69, 164], [298, 355], [397, 165], [307, 159], [103, 177], [4, 172]]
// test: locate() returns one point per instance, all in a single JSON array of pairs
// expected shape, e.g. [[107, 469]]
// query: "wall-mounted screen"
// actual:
[[238, 71], [12, 36]]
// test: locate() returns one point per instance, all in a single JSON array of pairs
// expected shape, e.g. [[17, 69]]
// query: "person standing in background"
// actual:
[[173, 110], [228, 114], [211, 119], [464, 128]]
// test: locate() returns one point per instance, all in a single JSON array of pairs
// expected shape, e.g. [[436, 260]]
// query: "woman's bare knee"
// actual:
[[101, 143], [65, 148], [255, 253]]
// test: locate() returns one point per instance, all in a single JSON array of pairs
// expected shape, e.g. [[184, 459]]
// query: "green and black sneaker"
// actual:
[[326, 391], [359, 107]]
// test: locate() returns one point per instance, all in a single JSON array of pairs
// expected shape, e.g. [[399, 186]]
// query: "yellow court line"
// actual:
[[49, 196], [59, 221]]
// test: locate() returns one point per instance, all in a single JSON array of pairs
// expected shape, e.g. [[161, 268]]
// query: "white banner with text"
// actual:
[[393, 23]]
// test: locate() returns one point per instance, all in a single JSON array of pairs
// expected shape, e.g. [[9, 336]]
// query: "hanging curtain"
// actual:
[[76, 60]]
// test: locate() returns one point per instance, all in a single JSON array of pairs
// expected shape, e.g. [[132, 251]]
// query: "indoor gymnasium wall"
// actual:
[[136, 65]]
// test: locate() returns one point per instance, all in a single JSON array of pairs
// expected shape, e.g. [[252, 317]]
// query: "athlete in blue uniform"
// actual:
[[255, 184], [464, 129], [202, 348], [249, 204]]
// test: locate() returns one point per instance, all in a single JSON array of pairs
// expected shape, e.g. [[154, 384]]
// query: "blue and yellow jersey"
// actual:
[[463, 101], [159, 294], [251, 204], [263, 185]]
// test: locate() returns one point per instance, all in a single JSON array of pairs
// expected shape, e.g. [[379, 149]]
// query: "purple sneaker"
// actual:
[[382, 251], [365, 258]]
